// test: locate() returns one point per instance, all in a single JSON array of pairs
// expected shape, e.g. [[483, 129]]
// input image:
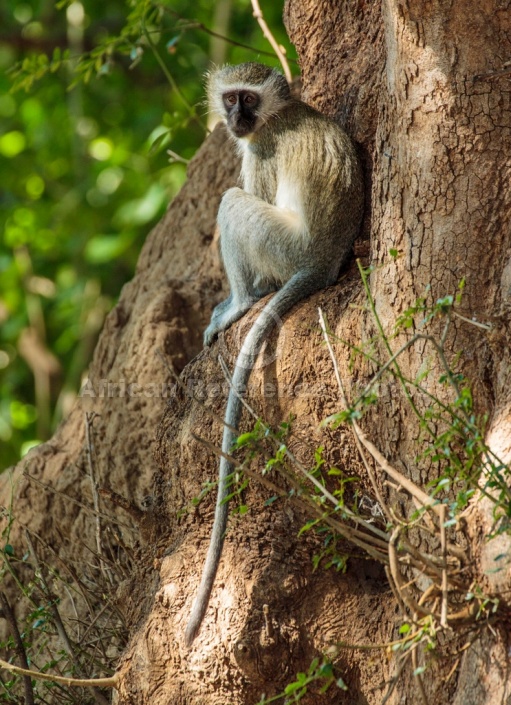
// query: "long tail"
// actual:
[[298, 287]]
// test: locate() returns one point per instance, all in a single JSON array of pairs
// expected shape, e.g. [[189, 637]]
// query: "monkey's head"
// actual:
[[246, 96]]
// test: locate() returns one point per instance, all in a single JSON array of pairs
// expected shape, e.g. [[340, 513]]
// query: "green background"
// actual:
[[85, 174]]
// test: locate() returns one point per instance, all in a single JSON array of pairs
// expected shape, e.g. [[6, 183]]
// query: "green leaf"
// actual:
[[293, 687], [159, 141], [106, 248], [245, 439], [313, 666], [142, 210], [326, 670], [335, 471]]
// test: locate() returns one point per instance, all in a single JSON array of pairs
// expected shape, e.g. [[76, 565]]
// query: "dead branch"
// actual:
[[269, 36], [111, 682]]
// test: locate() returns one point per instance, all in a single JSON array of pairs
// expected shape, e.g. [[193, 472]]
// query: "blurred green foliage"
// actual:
[[84, 172]]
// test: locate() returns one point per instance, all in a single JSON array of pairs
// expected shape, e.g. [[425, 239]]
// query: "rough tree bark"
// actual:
[[436, 146]]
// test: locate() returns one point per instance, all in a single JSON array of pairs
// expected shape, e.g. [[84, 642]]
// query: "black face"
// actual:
[[241, 109]]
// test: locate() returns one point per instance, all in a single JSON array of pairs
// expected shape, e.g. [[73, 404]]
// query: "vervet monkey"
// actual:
[[289, 230]]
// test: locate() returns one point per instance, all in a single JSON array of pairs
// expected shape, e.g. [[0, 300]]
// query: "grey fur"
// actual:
[[289, 229]]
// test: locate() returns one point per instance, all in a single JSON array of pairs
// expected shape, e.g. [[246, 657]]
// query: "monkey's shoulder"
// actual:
[[298, 121], [303, 134]]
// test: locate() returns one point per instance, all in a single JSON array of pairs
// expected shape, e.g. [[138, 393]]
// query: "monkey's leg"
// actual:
[[216, 317], [220, 308], [263, 288], [262, 247], [225, 316]]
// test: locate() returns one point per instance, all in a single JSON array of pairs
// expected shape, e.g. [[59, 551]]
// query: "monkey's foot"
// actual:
[[224, 316], [210, 334]]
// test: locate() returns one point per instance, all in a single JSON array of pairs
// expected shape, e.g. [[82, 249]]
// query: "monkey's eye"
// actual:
[[231, 99], [249, 99]]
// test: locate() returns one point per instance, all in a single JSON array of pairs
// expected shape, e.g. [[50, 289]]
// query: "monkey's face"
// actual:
[[241, 111]]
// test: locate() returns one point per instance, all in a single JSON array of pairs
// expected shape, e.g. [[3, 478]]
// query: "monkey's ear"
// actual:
[[212, 68], [214, 102]]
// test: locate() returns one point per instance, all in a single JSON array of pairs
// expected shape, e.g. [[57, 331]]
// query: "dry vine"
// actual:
[[400, 552]]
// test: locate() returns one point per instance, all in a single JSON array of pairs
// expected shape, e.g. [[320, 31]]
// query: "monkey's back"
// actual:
[[304, 162]]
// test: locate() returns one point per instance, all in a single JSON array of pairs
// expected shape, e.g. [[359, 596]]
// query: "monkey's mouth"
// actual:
[[242, 128]]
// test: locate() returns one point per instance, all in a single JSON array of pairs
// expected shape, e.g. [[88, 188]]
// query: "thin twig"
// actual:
[[452, 671], [484, 326], [51, 601], [75, 501], [394, 680], [409, 601], [411, 382], [168, 75], [344, 398], [193, 24], [383, 337], [493, 74], [396, 593], [328, 495], [98, 696], [427, 594], [176, 158], [19, 646], [119, 501], [424, 499], [445, 593], [269, 36], [89, 433], [66, 565], [191, 395], [375, 647], [418, 676], [415, 491]]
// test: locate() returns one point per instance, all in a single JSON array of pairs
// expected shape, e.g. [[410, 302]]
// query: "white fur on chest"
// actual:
[[285, 194], [288, 196]]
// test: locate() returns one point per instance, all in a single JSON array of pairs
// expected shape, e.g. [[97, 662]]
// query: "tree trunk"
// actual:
[[408, 80]]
